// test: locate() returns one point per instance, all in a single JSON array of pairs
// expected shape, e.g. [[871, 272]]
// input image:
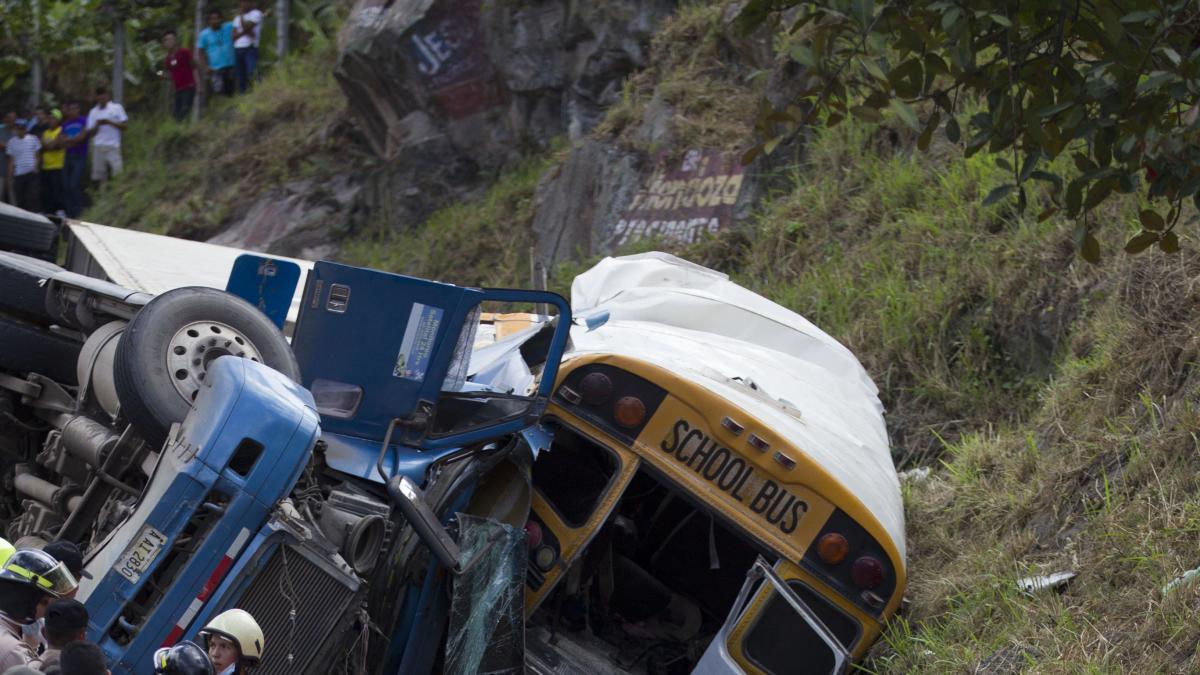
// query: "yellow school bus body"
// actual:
[[764, 422], [688, 400]]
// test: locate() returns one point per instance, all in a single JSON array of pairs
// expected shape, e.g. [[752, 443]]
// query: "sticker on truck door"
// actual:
[[420, 338], [141, 554]]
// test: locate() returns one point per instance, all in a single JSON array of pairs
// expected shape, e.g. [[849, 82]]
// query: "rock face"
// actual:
[[443, 94], [300, 219], [488, 79]]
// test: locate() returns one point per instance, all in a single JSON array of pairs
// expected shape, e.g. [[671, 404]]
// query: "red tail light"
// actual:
[[867, 572], [597, 388], [629, 411]]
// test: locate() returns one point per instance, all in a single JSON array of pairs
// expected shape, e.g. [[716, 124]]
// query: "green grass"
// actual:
[[486, 242]]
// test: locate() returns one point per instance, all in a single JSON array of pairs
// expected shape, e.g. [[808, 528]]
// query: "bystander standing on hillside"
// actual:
[[22, 156], [54, 157], [8, 129], [74, 129], [180, 67], [105, 122], [37, 121], [247, 30], [216, 53]]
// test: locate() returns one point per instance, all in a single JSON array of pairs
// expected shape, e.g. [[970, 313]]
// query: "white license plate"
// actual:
[[141, 554]]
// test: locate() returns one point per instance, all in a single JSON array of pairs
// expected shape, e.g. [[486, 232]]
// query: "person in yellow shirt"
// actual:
[[54, 158]]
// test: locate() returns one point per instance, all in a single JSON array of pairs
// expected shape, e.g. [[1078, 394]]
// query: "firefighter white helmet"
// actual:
[[237, 625]]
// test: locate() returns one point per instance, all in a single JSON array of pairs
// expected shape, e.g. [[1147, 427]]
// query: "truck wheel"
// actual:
[[26, 232], [24, 282], [164, 353], [29, 349]]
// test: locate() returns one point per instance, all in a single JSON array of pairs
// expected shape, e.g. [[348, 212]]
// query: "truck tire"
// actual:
[[24, 282], [26, 232], [31, 349], [165, 351]]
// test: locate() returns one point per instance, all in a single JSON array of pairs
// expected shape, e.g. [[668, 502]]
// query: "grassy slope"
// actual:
[[1052, 399], [187, 179], [1087, 464]]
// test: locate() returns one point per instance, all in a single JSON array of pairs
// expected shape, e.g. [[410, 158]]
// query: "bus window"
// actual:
[[573, 474]]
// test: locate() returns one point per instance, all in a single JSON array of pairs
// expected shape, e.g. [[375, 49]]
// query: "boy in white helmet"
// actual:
[[235, 642]]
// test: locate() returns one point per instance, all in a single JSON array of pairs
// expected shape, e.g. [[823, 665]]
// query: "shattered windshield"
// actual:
[[487, 611]]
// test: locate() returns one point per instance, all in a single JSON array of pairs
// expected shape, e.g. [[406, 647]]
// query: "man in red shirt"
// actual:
[[179, 65]]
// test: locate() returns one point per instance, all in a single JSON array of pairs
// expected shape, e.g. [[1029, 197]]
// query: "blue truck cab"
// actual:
[[283, 498]]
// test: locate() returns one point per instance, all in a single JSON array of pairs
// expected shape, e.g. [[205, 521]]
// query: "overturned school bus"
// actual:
[[673, 475], [719, 493]]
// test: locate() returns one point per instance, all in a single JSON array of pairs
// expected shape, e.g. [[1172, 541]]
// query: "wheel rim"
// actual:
[[196, 345]]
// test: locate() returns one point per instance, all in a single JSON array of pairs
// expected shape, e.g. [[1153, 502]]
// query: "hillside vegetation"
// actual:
[[1053, 401]]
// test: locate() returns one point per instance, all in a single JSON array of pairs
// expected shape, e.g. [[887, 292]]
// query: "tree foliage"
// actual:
[[74, 39], [1114, 83]]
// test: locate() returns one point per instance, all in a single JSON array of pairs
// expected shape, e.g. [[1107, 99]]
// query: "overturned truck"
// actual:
[[671, 476]]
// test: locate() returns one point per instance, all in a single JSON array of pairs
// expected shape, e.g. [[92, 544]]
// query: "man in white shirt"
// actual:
[[247, 29], [22, 159], [105, 122]]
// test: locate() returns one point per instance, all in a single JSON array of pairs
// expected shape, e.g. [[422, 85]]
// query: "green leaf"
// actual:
[[1140, 16], [1003, 164], [1084, 163], [1169, 243], [1056, 181], [753, 15], [1031, 162], [998, 193], [1155, 80], [1000, 19], [873, 68], [1090, 250], [1151, 220], [751, 154], [1074, 197], [950, 18], [1140, 242], [802, 55], [953, 133], [1171, 54], [927, 135], [868, 114], [1051, 110], [905, 112], [864, 11], [1098, 193], [834, 119]]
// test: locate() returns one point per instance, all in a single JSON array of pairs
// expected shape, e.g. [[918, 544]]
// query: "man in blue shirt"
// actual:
[[216, 53], [74, 125]]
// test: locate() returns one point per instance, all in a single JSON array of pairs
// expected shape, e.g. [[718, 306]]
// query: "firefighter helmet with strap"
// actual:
[[40, 570], [239, 627]]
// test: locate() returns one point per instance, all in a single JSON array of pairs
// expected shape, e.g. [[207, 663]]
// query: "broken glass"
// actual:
[[487, 608]]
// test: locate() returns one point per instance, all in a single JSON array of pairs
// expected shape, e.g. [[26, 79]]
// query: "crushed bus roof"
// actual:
[[702, 326]]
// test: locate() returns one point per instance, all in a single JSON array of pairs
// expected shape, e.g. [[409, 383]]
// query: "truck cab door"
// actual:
[[385, 356]]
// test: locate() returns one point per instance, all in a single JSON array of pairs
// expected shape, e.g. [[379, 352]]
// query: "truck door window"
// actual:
[[494, 370], [573, 475]]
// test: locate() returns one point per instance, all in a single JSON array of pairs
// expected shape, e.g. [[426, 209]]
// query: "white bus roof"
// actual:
[[758, 355], [154, 263]]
